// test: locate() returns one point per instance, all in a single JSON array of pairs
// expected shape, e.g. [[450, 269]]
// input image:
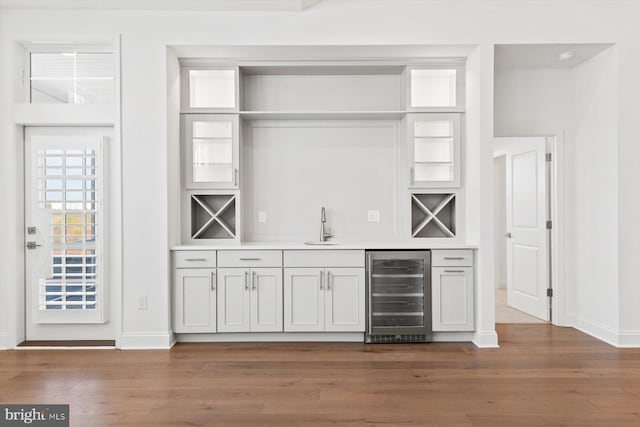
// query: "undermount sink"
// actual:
[[319, 243]]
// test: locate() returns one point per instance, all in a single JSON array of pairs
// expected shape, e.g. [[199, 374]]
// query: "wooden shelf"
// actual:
[[329, 115]]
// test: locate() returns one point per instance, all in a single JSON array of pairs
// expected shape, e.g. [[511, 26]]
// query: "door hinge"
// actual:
[[547, 157], [549, 225], [550, 292]]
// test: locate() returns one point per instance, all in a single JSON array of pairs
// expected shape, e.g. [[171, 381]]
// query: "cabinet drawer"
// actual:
[[194, 259], [249, 258], [324, 258], [452, 258]]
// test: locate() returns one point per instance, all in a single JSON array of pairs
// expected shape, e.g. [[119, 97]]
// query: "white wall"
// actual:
[[500, 217], [145, 36], [595, 96]]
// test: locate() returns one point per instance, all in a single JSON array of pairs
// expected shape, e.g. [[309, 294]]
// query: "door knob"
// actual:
[[32, 245], [507, 235]]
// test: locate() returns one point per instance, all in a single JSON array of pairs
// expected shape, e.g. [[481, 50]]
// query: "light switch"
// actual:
[[373, 216], [262, 217]]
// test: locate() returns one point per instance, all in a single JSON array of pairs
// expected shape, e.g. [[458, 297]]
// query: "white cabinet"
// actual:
[[452, 287], [250, 300], [344, 300], [436, 88], [194, 300], [324, 299], [304, 299], [434, 150], [266, 300], [211, 151], [210, 89]]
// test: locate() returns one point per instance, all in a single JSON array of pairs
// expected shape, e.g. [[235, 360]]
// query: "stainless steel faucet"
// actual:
[[323, 218]]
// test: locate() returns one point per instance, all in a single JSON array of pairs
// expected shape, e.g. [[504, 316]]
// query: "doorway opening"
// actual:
[[523, 178]]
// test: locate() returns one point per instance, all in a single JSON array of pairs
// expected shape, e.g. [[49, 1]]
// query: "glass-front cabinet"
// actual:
[[211, 151], [434, 150]]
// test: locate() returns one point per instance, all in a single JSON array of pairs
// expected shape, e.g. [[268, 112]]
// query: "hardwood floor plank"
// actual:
[[541, 375]]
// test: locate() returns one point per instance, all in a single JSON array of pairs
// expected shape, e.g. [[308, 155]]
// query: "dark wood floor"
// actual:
[[541, 375]]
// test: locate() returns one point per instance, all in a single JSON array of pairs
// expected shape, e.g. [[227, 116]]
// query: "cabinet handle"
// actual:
[[253, 281], [195, 259], [246, 280], [328, 280], [213, 281], [454, 257], [235, 176], [249, 259], [412, 175], [454, 271], [321, 278]]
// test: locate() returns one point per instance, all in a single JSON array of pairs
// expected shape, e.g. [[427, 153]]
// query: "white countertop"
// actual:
[[411, 245]]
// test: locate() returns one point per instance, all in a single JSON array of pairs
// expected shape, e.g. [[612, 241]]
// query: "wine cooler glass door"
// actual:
[[399, 293]]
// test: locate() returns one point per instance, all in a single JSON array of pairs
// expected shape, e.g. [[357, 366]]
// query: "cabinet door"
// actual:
[[344, 300], [211, 151], [304, 299], [453, 298], [194, 300], [233, 300], [434, 150], [266, 300]]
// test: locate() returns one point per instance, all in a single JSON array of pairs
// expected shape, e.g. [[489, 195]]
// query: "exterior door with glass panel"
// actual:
[[434, 150], [211, 151], [66, 295]]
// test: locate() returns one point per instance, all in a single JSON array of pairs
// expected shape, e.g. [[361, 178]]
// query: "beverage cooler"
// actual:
[[398, 296]]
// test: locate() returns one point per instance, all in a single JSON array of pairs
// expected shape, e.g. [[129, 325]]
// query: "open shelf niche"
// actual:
[[433, 215], [213, 216]]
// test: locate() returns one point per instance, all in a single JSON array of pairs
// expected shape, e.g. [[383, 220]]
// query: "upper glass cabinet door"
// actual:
[[434, 149], [436, 89], [211, 151], [210, 89]]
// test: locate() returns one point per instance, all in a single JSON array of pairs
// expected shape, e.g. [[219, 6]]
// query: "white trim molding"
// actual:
[[629, 339], [274, 337], [485, 339], [4, 342], [217, 5], [596, 330], [148, 341]]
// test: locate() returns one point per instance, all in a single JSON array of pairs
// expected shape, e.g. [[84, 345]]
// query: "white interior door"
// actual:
[[527, 279], [66, 288]]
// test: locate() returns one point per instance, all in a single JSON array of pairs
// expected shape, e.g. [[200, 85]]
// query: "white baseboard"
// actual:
[[274, 337], [596, 330], [452, 337], [149, 341], [485, 339], [629, 339], [4, 342]]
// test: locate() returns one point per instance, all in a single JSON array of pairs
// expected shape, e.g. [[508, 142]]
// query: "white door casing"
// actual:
[[527, 278], [67, 290]]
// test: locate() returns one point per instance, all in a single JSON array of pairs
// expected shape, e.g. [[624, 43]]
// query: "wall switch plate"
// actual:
[[262, 217], [373, 216], [142, 302]]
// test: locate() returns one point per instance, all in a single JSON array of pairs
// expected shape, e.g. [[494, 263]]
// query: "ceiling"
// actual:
[[217, 5], [545, 55]]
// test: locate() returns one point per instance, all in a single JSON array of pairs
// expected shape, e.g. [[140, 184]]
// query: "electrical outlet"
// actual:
[[142, 302], [373, 216], [262, 217]]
